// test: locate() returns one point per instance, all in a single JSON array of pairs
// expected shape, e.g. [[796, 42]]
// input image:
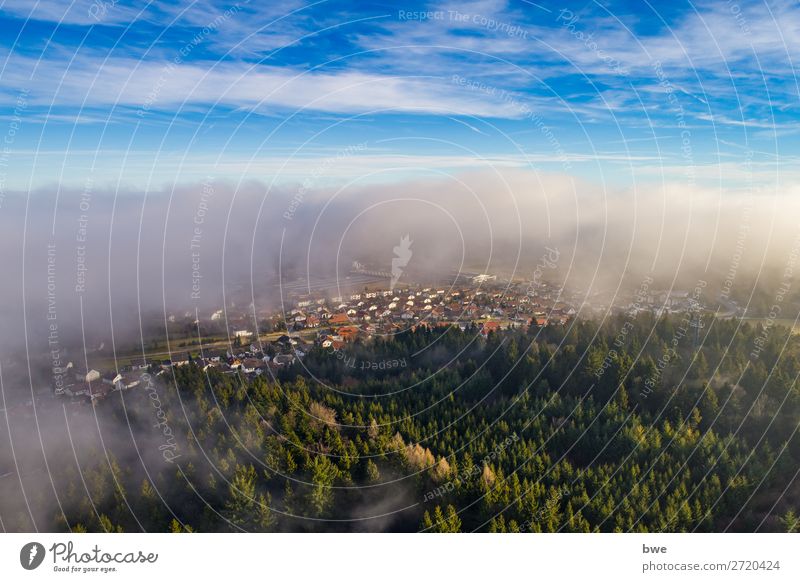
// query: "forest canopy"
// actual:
[[635, 425]]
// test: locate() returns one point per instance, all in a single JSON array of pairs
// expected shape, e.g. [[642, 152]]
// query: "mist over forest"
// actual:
[[129, 254], [94, 272]]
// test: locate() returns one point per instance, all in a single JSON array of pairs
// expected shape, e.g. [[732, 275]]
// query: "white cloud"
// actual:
[[80, 12], [150, 85]]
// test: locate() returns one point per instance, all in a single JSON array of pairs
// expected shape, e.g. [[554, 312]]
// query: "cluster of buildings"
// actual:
[[254, 359], [388, 311], [332, 321], [646, 300], [92, 384]]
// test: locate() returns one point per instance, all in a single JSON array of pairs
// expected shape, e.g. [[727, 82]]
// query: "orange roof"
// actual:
[[347, 331]]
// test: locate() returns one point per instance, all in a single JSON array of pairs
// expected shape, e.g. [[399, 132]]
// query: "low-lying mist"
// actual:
[[99, 261]]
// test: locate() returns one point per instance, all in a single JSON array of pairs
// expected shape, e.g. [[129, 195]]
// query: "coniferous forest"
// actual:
[[633, 425]]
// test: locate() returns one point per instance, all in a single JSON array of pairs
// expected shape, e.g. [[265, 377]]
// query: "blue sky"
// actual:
[[144, 94]]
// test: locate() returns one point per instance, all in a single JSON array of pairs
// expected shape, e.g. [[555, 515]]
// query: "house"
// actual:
[[339, 319], [251, 365], [77, 389], [489, 326], [90, 375], [348, 332], [483, 278], [111, 378], [99, 391], [283, 360], [127, 381]]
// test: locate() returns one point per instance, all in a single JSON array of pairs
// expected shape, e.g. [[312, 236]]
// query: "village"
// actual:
[[264, 342]]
